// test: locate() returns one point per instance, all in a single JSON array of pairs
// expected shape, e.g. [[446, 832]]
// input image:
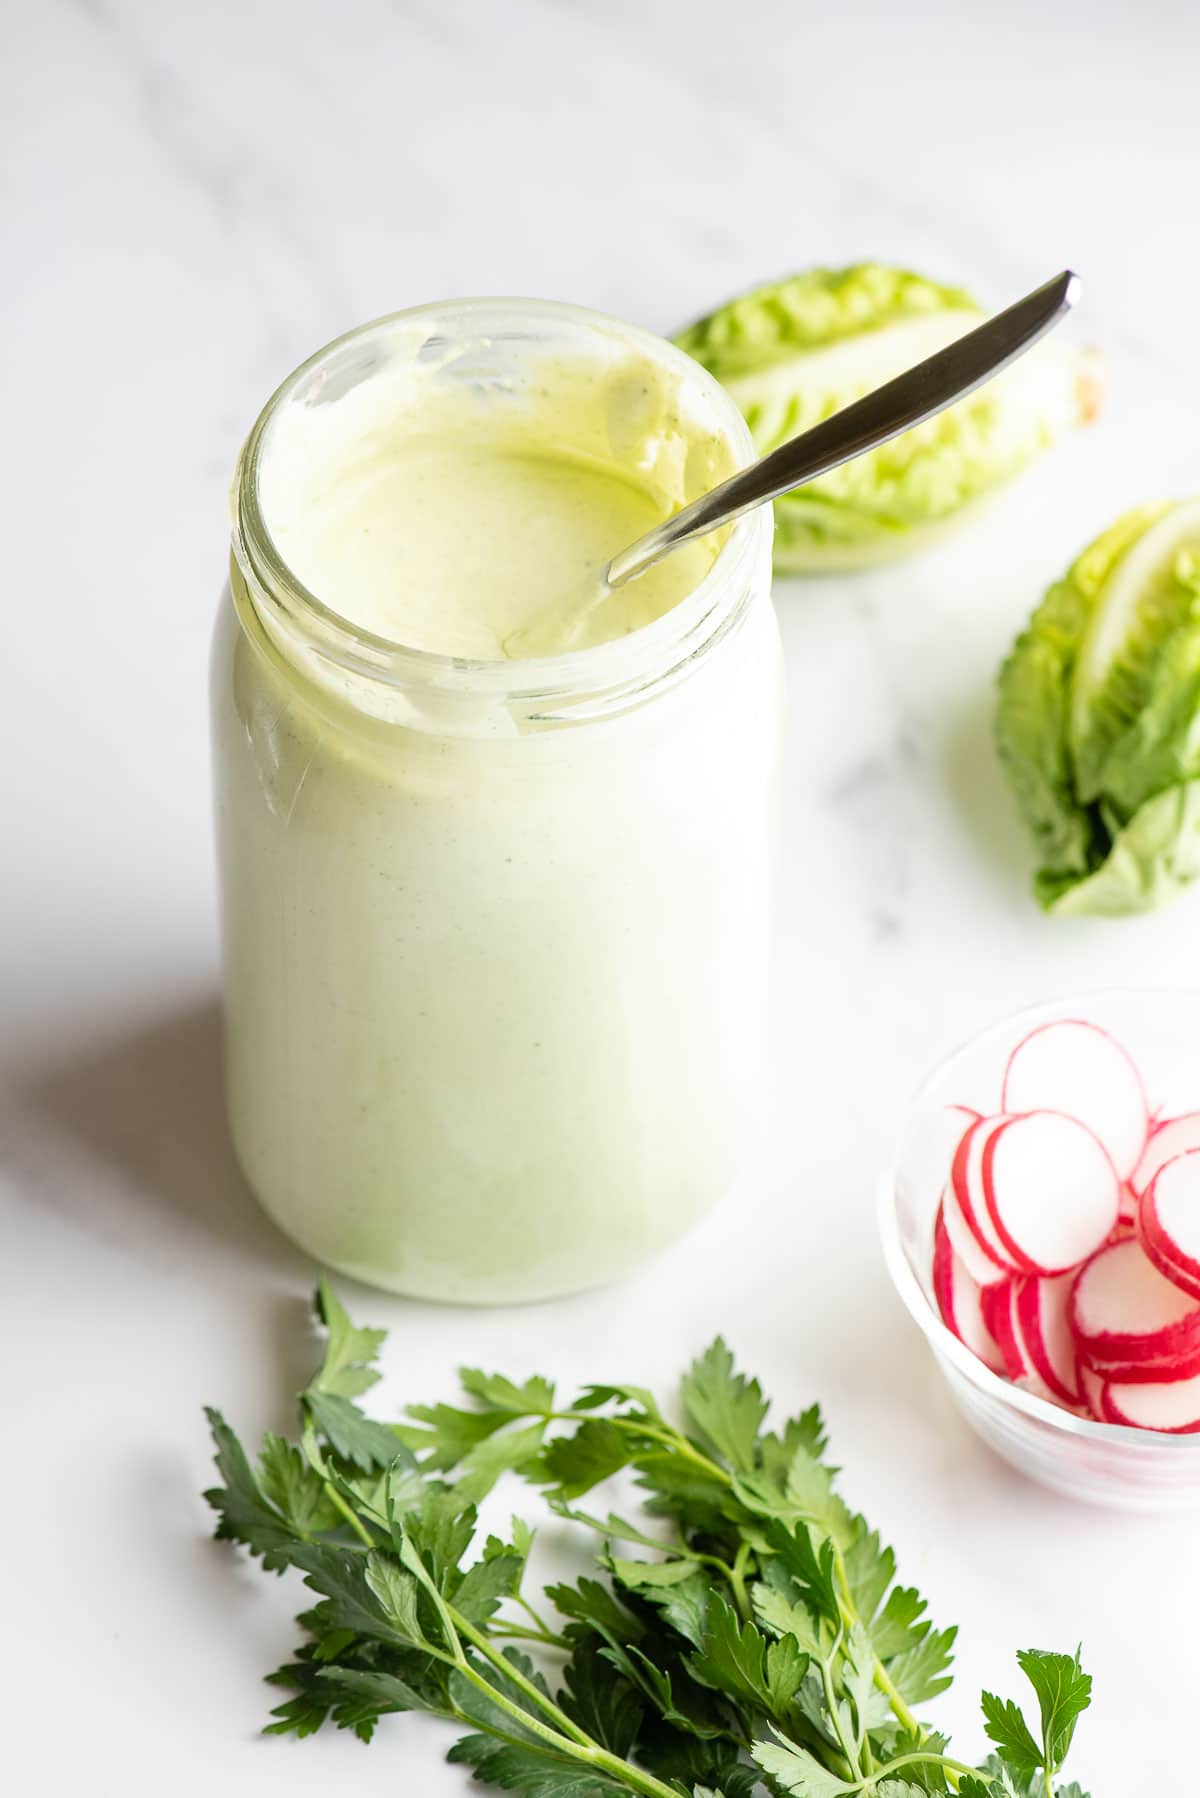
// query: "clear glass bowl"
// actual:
[[1104, 1463]]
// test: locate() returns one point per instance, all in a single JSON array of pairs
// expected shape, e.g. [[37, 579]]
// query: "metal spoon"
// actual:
[[908, 400]]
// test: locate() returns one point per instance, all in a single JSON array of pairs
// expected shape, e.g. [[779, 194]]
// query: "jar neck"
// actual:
[[391, 681]]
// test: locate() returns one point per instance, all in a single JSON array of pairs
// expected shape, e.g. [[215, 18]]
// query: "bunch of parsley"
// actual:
[[755, 1642]]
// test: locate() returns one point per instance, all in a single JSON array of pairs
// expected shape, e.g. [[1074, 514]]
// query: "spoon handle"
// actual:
[[919, 393]]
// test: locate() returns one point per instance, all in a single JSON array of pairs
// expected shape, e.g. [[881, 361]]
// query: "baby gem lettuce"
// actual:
[[1098, 725], [798, 350]]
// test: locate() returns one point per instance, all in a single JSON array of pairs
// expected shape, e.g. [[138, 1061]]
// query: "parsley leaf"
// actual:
[[348, 1368], [724, 1408], [1064, 1692], [594, 1453], [738, 1659], [245, 1514], [1006, 1726], [796, 1771]]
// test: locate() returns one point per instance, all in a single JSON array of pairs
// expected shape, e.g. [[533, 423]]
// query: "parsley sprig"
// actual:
[[749, 1637]]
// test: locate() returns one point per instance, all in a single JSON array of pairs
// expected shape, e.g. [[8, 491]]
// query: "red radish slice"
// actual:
[[1122, 1308], [1045, 1334], [966, 1177], [1145, 1373], [1172, 1206], [959, 1300], [977, 1262], [1093, 1392], [1079, 1069], [1160, 1249], [1169, 1138], [1051, 1190], [1174, 1407], [998, 1304]]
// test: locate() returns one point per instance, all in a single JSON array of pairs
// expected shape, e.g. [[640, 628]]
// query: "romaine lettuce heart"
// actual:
[[796, 351], [1098, 725]]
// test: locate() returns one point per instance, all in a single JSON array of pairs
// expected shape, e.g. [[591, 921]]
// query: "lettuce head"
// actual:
[[798, 350], [1098, 725]]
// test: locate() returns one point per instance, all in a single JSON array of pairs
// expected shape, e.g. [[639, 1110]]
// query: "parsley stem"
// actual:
[[316, 1460], [519, 1631], [558, 1641], [340, 1504], [958, 1769], [481, 1642], [737, 1580], [883, 1679], [885, 1684], [578, 1745], [672, 1439]]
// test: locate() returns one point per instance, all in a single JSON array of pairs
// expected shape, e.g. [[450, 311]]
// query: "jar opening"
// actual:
[[626, 397]]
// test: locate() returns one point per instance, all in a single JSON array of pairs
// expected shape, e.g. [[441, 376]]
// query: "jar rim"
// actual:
[[679, 634]]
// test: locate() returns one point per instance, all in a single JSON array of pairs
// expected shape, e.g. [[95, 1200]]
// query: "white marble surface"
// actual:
[[193, 198]]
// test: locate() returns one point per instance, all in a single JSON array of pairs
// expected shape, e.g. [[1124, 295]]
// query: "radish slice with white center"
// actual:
[[1171, 1212], [966, 1177], [998, 1304], [1123, 1309], [1051, 1190], [977, 1262], [1173, 1407], [1079, 1069], [1169, 1138], [1045, 1334], [959, 1300]]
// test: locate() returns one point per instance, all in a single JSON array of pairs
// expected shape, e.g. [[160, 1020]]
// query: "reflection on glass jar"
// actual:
[[495, 930]]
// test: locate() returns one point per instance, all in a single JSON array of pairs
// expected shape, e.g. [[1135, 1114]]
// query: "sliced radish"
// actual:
[[966, 1177], [1123, 1308], [1045, 1334], [1169, 1138], [998, 1305], [1079, 1069], [1092, 1385], [1145, 1373], [1159, 1249], [1171, 1205], [959, 1299], [1174, 1407], [1051, 1191], [977, 1261]]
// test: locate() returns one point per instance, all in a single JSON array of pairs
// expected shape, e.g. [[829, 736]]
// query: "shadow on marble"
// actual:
[[980, 794], [139, 1125]]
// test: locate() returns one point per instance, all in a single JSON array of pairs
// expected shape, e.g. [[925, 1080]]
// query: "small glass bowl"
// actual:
[[1104, 1463]]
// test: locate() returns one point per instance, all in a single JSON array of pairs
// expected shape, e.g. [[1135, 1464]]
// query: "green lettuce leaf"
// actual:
[[1098, 722], [796, 351]]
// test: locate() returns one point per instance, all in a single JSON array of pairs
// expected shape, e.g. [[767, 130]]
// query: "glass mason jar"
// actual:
[[495, 932]]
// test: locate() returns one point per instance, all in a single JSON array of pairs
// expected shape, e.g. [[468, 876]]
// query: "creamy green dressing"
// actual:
[[450, 518]]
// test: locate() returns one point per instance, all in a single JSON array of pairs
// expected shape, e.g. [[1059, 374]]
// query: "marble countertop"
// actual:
[[194, 198]]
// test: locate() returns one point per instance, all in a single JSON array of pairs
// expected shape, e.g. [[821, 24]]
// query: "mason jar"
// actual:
[[495, 931]]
